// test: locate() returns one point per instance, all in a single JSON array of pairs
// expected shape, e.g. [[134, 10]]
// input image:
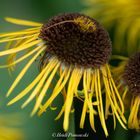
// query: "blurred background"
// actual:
[[42, 128]]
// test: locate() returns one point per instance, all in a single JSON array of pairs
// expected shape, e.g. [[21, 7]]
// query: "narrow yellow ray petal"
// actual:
[[73, 83], [86, 83], [114, 119], [12, 56], [83, 116], [25, 41], [64, 94], [86, 90], [85, 87], [66, 76], [99, 101], [107, 106], [60, 113], [115, 111], [15, 50], [116, 101], [124, 94], [28, 88], [52, 107], [115, 94], [108, 92], [22, 22], [136, 117], [48, 68], [116, 91], [14, 44], [45, 88], [69, 98], [133, 120], [132, 111], [93, 85], [59, 86], [118, 97], [24, 71], [89, 79], [21, 58], [91, 115], [19, 33], [19, 43], [53, 95], [33, 28], [101, 104], [18, 38], [9, 44]]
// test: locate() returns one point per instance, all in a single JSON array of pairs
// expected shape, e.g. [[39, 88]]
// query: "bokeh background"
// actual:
[[42, 128]]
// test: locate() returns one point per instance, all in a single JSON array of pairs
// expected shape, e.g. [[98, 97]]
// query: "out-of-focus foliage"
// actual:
[[9, 127], [121, 18]]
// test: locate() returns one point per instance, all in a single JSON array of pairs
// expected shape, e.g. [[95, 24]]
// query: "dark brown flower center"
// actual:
[[132, 74], [77, 40]]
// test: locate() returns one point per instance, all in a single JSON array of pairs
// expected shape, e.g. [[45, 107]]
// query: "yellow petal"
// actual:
[[73, 83], [108, 92], [24, 71], [15, 50], [59, 86], [83, 116], [22, 22], [45, 88], [60, 113], [100, 106], [18, 38], [21, 58], [48, 68], [24, 32], [28, 88]]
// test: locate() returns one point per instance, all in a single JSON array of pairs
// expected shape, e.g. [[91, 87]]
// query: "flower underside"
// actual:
[[76, 49]]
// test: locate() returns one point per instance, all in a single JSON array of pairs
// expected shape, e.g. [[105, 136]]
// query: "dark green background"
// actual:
[[42, 128]]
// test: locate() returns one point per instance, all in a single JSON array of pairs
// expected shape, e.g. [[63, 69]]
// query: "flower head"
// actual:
[[76, 40], [76, 48], [132, 80]]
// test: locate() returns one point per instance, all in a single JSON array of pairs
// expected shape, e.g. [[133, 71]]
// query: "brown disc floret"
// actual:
[[76, 40]]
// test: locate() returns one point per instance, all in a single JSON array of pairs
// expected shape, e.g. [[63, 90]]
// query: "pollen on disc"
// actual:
[[132, 74], [76, 40]]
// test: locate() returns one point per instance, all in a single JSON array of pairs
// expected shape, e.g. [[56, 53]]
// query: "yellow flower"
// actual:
[[132, 79], [8, 131], [122, 18], [127, 75], [76, 49]]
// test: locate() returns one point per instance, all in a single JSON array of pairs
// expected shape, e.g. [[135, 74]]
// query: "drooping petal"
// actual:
[[44, 90]]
